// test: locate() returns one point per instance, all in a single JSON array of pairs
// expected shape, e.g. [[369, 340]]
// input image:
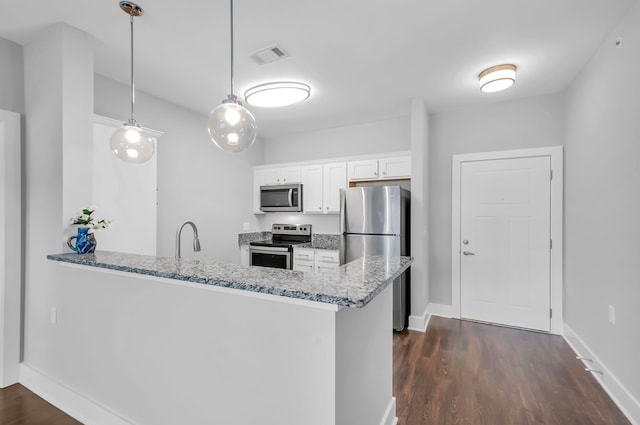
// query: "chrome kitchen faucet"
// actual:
[[196, 241]]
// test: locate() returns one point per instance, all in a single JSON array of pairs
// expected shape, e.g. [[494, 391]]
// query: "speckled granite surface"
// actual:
[[245, 238], [326, 241], [352, 285]]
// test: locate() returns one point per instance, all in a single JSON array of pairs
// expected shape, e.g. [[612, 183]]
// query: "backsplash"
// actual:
[[245, 238], [320, 240], [326, 241]]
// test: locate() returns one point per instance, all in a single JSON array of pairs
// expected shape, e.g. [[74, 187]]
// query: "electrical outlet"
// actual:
[[54, 315], [245, 226], [612, 315]]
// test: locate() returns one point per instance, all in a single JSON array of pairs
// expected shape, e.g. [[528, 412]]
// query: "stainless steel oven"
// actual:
[[270, 256], [277, 251]]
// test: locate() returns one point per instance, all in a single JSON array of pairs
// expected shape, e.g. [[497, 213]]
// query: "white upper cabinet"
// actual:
[[312, 189], [363, 170], [270, 176], [322, 181], [396, 167], [291, 175], [321, 186], [334, 179], [279, 175], [379, 169]]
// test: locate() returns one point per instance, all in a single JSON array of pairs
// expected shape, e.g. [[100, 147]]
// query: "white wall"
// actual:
[[11, 208], [125, 194], [11, 76], [602, 204], [58, 68], [390, 135], [526, 123], [419, 285], [161, 352], [196, 180], [10, 248]]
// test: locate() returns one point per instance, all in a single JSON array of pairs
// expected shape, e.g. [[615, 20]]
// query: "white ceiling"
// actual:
[[365, 59]]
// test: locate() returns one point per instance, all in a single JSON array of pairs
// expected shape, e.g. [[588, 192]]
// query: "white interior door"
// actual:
[[505, 241]]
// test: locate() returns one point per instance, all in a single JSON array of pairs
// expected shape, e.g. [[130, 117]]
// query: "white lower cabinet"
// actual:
[[244, 255], [326, 259], [303, 259], [315, 260]]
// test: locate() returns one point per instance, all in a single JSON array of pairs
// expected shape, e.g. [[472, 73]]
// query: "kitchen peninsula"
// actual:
[[189, 341]]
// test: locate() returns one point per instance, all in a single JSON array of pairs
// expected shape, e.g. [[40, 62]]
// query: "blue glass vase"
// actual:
[[85, 241]]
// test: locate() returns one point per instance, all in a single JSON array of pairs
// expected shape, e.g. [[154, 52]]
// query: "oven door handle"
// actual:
[[267, 249]]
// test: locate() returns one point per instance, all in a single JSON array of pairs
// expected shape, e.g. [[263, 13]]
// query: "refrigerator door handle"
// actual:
[[343, 202]]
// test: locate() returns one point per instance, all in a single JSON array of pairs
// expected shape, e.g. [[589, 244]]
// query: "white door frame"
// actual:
[[10, 248], [557, 284]]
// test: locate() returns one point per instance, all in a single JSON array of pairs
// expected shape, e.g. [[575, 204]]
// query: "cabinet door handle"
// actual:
[[468, 253], [320, 208]]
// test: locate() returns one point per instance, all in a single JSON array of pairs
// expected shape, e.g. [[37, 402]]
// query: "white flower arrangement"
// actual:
[[85, 219]]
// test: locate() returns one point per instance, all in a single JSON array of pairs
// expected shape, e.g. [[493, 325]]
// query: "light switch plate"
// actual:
[[612, 315]]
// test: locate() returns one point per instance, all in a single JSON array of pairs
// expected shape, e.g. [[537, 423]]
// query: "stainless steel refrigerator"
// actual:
[[375, 221]]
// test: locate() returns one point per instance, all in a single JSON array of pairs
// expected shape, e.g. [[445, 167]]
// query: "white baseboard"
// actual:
[[609, 382], [440, 310], [420, 323], [389, 417], [85, 410]]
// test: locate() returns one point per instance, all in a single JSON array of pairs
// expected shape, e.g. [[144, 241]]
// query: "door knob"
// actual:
[[468, 253]]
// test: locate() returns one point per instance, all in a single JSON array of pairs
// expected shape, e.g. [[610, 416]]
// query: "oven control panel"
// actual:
[[291, 229]]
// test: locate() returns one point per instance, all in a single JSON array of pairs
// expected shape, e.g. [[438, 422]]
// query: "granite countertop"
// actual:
[[352, 285]]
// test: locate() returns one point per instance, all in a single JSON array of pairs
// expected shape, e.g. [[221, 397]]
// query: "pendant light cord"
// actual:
[[231, 27], [132, 120]]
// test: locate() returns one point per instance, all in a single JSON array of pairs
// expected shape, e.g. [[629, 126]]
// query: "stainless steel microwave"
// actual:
[[281, 197]]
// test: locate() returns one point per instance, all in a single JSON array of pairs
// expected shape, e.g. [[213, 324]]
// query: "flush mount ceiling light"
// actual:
[[130, 143], [497, 78], [280, 93], [231, 126]]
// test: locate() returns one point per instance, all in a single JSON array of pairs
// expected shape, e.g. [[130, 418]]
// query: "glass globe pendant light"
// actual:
[[130, 143], [231, 126]]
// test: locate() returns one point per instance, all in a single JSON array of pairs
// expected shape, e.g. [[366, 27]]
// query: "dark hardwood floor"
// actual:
[[463, 373], [19, 406], [457, 373]]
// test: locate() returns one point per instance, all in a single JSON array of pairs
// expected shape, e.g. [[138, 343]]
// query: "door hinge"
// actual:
[[550, 243], [551, 174], [550, 313]]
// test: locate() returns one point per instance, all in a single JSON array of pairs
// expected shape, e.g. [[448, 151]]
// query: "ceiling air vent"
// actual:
[[268, 55]]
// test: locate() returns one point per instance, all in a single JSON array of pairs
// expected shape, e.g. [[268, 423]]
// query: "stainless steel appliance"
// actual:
[[277, 251], [375, 221], [281, 197]]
